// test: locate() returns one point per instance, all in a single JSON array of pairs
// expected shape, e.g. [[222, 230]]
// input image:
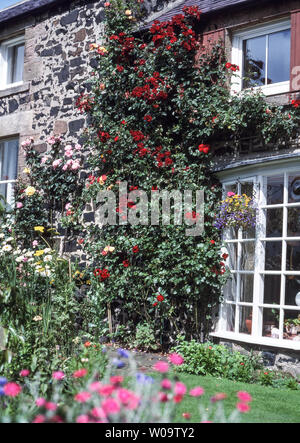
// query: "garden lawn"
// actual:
[[269, 405]]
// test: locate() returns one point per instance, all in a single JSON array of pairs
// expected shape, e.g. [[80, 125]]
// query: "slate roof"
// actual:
[[206, 6]]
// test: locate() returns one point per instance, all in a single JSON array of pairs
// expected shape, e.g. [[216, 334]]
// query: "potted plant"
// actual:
[[292, 326]]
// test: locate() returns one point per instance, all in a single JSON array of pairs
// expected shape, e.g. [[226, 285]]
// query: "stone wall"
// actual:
[[275, 359]]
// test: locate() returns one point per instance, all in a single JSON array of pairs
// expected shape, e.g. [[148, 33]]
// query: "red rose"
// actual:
[[212, 242], [125, 263], [225, 256], [148, 118], [120, 68], [135, 249], [160, 298]]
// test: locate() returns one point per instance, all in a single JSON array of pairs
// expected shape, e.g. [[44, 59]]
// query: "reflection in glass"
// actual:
[[247, 188], [271, 323], [245, 324], [254, 50], [229, 312], [246, 294], [247, 256], [274, 222], [272, 289], [232, 251], [292, 290], [275, 186], [294, 188], [279, 57], [292, 325], [293, 256], [273, 252], [229, 291], [293, 224]]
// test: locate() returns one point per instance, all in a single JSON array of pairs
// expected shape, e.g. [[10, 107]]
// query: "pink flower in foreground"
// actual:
[[186, 415], [12, 389], [98, 412], [82, 397], [82, 419], [166, 383], [24, 373], [40, 402], [243, 407], [161, 366], [95, 386], [176, 359], [244, 396], [80, 373], [19, 205], [180, 388], [39, 419], [58, 375], [197, 391], [128, 398], [50, 406], [110, 406], [106, 390]]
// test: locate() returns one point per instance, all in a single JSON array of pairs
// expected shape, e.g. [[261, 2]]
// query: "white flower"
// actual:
[[7, 248], [47, 258]]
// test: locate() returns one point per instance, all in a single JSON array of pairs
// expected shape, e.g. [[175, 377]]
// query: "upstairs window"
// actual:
[[8, 168], [263, 54], [12, 62]]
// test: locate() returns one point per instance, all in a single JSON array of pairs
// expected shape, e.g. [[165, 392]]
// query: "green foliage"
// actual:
[[145, 337], [216, 360]]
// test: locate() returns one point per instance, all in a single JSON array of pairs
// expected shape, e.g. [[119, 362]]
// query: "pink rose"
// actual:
[[19, 205]]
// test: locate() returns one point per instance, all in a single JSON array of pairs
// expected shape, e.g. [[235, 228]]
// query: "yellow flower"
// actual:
[[109, 249], [39, 252], [128, 12], [26, 171], [30, 190], [39, 229]]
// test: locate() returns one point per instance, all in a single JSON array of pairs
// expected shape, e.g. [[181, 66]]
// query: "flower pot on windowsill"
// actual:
[[248, 323]]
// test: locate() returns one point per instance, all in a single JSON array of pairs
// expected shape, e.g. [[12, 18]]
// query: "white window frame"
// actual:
[[4, 46], [238, 59], [10, 201], [257, 174]]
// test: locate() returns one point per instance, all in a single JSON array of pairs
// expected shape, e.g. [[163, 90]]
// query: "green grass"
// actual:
[[269, 405]]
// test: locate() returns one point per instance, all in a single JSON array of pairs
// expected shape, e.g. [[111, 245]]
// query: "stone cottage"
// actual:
[[44, 66]]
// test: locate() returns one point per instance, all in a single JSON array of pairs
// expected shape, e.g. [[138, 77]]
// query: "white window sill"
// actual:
[[14, 88], [272, 342], [268, 90]]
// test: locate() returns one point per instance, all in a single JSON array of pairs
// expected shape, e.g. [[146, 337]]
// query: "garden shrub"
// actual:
[[216, 360]]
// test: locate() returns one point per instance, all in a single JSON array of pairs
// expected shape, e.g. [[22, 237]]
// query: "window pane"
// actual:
[[293, 227], [279, 57], [8, 160], [273, 252], [292, 290], [246, 294], [293, 256], [228, 312], [275, 190], [274, 219], [272, 289], [232, 255], [247, 256], [271, 323], [245, 320], [292, 325], [229, 290], [15, 61], [294, 188], [254, 50]]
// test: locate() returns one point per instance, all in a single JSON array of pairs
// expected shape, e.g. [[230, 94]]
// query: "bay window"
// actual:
[[262, 298]]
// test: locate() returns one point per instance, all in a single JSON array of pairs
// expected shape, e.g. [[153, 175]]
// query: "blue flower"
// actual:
[[3, 381], [2, 392], [118, 363], [123, 353], [144, 379]]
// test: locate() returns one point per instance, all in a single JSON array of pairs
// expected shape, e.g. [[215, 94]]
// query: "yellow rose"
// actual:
[[26, 171], [30, 190], [128, 12], [38, 253], [39, 229]]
